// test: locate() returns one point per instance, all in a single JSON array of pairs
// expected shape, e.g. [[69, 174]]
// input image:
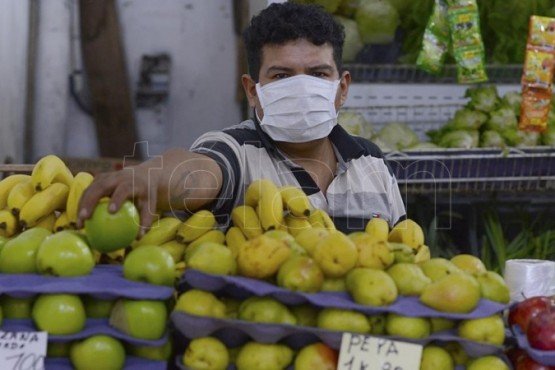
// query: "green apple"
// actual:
[[97, 308], [301, 274], [108, 232], [16, 307], [409, 278], [316, 356], [371, 287], [150, 264], [264, 356], [407, 326], [97, 352], [469, 263], [58, 349], [212, 258], [64, 254], [494, 287], [19, 255], [145, 319], [265, 310], [490, 329], [489, 363], [200, 303], [59, 314], [436, 358], [206, 353], [343, 320], [438, 267], [157, 353]]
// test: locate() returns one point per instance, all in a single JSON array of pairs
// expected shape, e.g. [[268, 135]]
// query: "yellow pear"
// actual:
[[436, 358], [261, 257], [438, 267], [469, 263], [371, 287], [407, 326], [372, 253], [336, 254], [409, 278], [309, 238], [494, 287], [458, 293], [407, 232], [490, 329]]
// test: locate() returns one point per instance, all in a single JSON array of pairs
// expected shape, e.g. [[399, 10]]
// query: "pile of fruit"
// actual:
[[283, 283], [102, 308]]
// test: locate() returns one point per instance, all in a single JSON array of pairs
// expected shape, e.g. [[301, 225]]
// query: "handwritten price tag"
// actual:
[[363, 352], [22, 350]]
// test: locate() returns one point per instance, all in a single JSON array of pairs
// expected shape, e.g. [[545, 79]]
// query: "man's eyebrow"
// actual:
[[278, 69], [321, 67]]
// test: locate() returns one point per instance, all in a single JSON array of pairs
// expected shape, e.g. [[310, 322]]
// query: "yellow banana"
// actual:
[[160, 232], [116, 257], [296, 224], [42, 203], [264, 196], [19, 195], [62, 223], [47, 222], [245, 218], [6, 184], [199, 223], [407, 232], [320, 218], [81, 182], [48, 170], [8, 223], [378, 228], [422, 254], [215, 235], [295, 201], [234, 238]]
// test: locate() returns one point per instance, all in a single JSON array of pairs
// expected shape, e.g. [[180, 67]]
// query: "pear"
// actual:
[[457, 351], [306, 314], [407, 232], [372, 253], [333, 285], [264, 356], [489, 362], [436, 358], [441, 324], [407, 326], [402, 252], [494, 287], [309, 238], [288, 239], [457, 293], [409, 278], [343, 320], [336, 254], [469, 263], [422, 254], [261, 257], [300, 274], [377, 323], [265, 310], [371, 287], [490, 329], [437, 267]]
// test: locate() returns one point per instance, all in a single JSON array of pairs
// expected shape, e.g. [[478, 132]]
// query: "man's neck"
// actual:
[[312, 150]]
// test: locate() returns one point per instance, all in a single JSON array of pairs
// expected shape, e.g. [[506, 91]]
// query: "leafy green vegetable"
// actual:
[[377, 21], [492, 139], [467, 119], [512, 99], [398, 135], [354, 123], [460, 139], [483, 98], [519, 138], [501, 119]]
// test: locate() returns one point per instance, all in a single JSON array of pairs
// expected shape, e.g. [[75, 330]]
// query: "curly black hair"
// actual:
[[280, 23]]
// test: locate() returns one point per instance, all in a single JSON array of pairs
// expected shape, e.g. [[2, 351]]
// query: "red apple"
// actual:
[[521, 313], [528, 363], [515, 355], [541, 330], [316, 356]]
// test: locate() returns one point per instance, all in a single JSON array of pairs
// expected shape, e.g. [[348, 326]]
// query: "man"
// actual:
[[295, 87]]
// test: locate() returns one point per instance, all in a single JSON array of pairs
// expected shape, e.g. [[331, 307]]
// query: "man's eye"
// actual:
[[319, 74], [280, 76]]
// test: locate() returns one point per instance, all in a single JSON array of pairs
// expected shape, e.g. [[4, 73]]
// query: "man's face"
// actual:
[[295, 58]]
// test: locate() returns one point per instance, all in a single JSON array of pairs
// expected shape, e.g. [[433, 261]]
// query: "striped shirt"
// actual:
[[363, 187]]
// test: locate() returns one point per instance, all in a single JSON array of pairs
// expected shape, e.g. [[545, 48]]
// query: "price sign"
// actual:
[[363, 352], [22, 350]]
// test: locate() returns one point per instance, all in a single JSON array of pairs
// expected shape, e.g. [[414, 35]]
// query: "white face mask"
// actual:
[[298, 109]]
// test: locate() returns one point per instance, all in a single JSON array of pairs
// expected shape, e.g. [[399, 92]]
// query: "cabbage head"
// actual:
[[492, 139], [464, 139], [501, 119], [377, 21], [467, 119], [483, 98], [398, 135], [519, 138], [353, 44], [354, 123], [513, 100]]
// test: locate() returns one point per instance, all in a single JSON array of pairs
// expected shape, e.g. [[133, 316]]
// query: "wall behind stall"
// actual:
[[197, 34]]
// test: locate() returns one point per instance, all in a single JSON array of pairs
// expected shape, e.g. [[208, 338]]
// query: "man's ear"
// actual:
[[249, 85], [344, 84]]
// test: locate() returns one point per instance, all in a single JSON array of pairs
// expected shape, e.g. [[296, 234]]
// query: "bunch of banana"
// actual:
[[49, 170], [245, 218], [9, 225], [320, 218], [265, 197], [62, 223], [7, 184], [195, 226], [42, 203], [78, 186], [295, 201], [162, 231]]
